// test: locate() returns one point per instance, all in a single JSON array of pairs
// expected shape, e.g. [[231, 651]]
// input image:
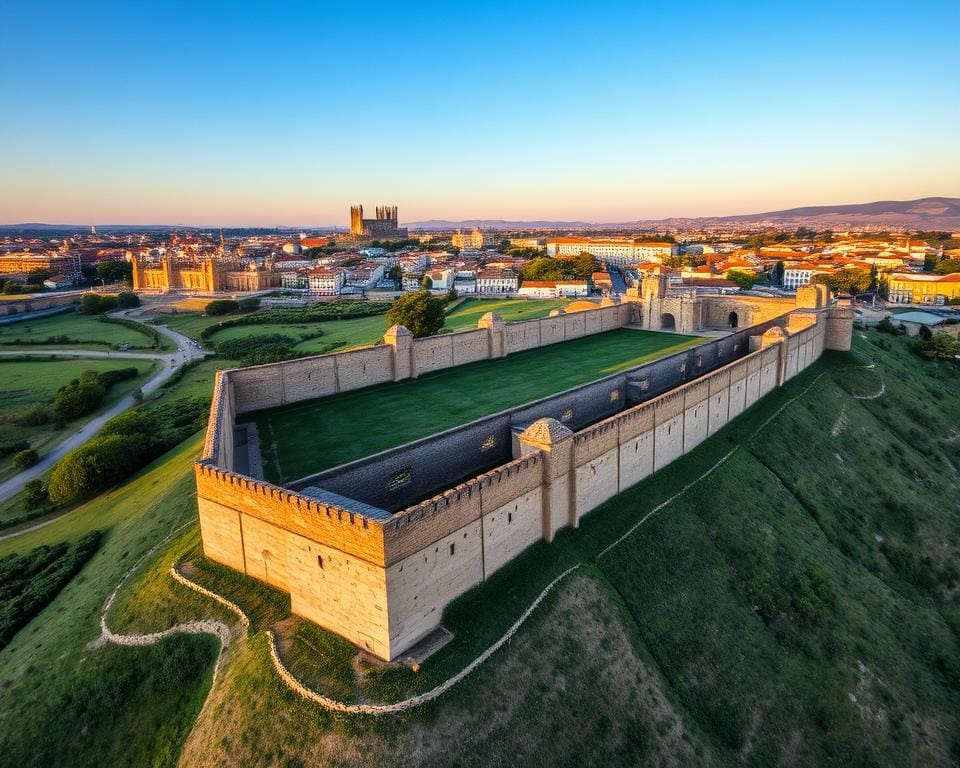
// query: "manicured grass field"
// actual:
[[80, 331], [299, 440], [466, 314]]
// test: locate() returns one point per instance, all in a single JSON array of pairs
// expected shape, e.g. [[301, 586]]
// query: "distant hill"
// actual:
[[925, 213], [498, 224]]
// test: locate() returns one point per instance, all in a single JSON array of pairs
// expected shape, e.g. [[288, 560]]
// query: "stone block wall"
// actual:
[[384, 584]]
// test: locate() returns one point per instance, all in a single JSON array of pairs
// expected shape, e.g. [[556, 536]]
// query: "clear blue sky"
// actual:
[[285, 113]]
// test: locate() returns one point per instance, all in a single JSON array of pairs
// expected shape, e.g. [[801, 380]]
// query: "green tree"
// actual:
[[90, 304], [79, 397], [114, 271], [34, 494], [396, 274], [742, 278], [583, 266], [542, 268], [249, 304], [221, 307], [777, 276], [426, 283], [947, 267], [25, 459], [127, 300], [11, 288], [420, 312], [945, 346], [103, 461]]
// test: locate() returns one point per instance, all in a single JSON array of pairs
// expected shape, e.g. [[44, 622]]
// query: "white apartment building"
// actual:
[[326, 281], [571, 289], [538, 289], [497, 281], [618, 251], [795, 277]]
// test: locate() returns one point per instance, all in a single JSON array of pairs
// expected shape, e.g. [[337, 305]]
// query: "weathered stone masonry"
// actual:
[[382, 581]]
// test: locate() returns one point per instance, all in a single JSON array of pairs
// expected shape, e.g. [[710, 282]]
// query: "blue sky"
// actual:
[[285, 113]]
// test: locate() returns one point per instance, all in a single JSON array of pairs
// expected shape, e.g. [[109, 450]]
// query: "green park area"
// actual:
[[28, 390], [785, 594], [342, 334], [296, 440], [71, 330]]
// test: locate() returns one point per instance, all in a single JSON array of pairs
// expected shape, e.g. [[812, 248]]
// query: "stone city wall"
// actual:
[[459, 538], [277, 384], [384, 584]]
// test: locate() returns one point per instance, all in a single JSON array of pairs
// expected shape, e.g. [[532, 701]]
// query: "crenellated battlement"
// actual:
[[382, 579]]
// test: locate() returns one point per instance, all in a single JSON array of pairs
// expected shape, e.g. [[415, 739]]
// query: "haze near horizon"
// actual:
[[286, 115]]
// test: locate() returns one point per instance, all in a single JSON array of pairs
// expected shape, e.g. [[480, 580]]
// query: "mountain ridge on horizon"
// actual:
[[921, 213]]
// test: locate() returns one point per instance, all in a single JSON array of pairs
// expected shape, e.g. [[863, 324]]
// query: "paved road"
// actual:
[[184, 353], [87, 353]]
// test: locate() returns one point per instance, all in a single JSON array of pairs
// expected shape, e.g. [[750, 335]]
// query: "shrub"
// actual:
[[79, 397], [28, 582], [126, 443], [886, 326], [343, 309], [221, 307], [127, 300], [11, 448], [420, 312], [102, 462], [257, 350], [24, 459], [249, 304], [95, 304], [33, 416], [109, 378], [35, 494]]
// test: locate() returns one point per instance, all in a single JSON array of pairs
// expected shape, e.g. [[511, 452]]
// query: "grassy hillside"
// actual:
[[799, 605]]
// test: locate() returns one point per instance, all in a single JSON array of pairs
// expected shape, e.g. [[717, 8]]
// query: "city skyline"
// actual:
[[267, 118]]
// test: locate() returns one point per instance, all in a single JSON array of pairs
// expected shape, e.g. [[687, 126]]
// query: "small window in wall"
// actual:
[[488, 442], [509, 517], [567, 415], [398, 479], [615, 395], [453, 547], [320, 560]]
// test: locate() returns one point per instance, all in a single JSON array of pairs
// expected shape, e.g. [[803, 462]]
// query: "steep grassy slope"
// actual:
[[64, 704], [798, 605]]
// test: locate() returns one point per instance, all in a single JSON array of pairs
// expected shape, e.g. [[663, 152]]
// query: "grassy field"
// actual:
[[468, 312], [71, 330], [32, 382], [295, 441], [363, 330], [114, 706], [196, 381], [799, 606]]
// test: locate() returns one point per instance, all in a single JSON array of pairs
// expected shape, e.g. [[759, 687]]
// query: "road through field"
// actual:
[[185, 353]]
